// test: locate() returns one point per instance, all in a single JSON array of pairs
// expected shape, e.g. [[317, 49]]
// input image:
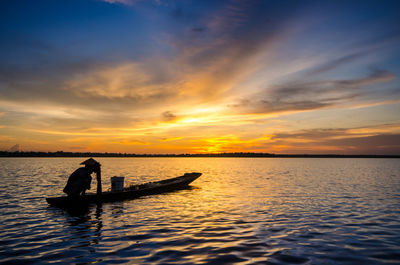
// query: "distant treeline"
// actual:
[[239, 154]]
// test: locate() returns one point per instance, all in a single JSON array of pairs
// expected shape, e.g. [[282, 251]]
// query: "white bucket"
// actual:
[[117, 184]]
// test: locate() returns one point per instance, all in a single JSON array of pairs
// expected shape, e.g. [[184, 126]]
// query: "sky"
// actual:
[[162, 77]]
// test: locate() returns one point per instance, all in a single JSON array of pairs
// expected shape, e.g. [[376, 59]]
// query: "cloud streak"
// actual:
[[374, 140], [300, 96], [124, 2]]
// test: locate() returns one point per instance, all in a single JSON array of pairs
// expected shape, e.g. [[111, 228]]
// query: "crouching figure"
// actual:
[[80, 179]]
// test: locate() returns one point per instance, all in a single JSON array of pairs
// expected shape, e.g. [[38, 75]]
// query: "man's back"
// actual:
[[78, 181]]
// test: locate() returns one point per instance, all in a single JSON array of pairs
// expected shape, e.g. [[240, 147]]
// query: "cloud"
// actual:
[[199, 71], [277, 106], [233, 39], [168, 116], [113, 82], [379, 139], [202, 68], [300, 96], [376, 76], [325, 87], [131, 2], [312, 135], [198, 29], [90, 85], [125, 2], [333, 64]]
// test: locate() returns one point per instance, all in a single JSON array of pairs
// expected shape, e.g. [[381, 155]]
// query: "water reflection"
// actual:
[[117, 209], [241, 211], [84, 225]]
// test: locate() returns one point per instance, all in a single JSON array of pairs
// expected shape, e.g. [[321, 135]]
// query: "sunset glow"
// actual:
[[200, 76]]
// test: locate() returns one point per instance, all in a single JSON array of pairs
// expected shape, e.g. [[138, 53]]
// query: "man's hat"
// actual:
[[90, 162]]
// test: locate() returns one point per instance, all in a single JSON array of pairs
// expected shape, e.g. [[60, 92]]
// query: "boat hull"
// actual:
[[151, 188]]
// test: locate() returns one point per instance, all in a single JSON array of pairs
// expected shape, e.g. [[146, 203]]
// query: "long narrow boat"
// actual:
[[131, 192]]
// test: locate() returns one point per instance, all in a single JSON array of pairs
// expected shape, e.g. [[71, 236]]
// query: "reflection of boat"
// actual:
[[131, 192]]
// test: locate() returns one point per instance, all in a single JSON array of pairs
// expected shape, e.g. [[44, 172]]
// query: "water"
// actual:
[[241, 211]]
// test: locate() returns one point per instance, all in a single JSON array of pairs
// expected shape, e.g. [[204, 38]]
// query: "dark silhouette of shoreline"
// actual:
[[238, 154]]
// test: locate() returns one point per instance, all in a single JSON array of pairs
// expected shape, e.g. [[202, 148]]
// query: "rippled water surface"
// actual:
[[240, 211]]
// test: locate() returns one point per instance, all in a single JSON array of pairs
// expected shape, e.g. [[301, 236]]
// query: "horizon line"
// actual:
[[223, 154]]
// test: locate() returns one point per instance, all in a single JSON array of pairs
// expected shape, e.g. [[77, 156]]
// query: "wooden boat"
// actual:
[[131, 192]]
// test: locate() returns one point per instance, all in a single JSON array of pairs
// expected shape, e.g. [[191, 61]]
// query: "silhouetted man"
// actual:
[[80, 179]]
